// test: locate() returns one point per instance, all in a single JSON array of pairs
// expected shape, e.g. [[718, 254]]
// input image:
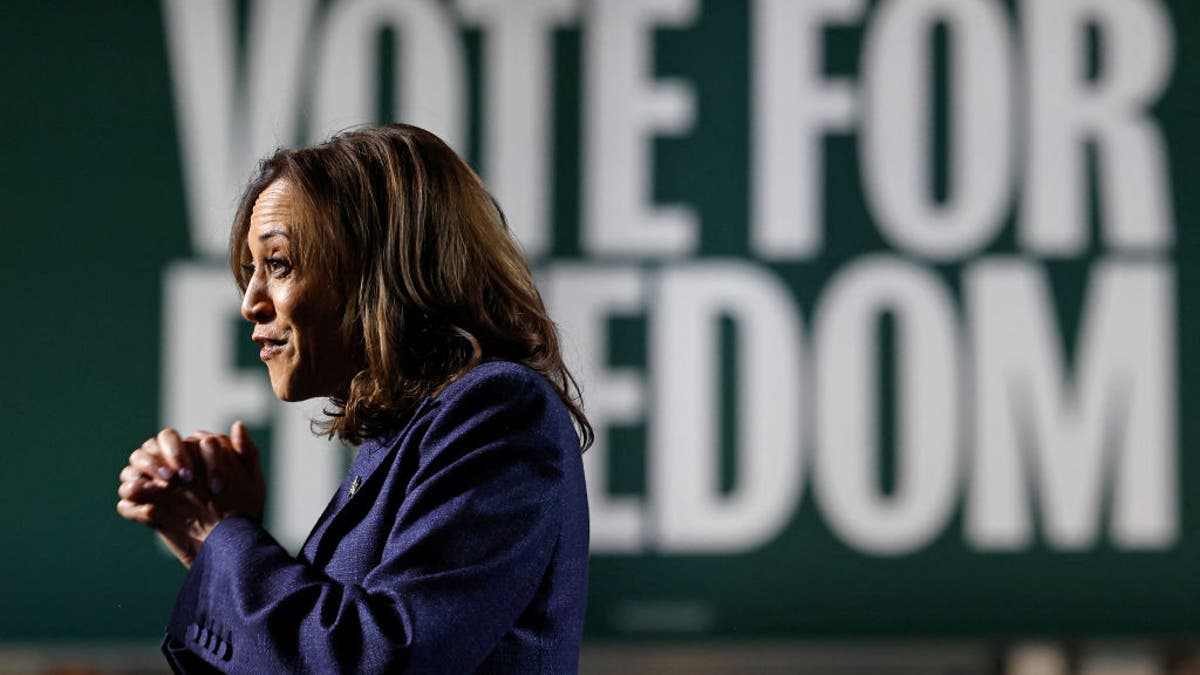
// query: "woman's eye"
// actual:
[[276, 266], [248, 268]]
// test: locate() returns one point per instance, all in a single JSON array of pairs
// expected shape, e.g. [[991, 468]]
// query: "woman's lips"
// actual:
[[270, 349]]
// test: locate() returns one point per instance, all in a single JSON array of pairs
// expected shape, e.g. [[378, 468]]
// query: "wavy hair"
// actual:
[[432, 281]]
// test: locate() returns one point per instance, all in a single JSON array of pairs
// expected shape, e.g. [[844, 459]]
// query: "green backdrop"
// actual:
[[97, 213]]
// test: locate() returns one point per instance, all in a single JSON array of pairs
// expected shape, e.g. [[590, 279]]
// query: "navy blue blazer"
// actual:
[[457, 544]]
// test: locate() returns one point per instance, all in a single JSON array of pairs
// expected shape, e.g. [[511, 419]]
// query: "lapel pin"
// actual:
[[355, 484]]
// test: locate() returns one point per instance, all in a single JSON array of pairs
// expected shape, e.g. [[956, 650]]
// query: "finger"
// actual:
[[221, 439], [150, 449], [201, 434], [138, 513], [150, 464], [171, 515], [141, 490], [243, 444], [215, 459], [247, 449], [130, 473], [142, 471], [176, 454], [149, 460], [130, 491]]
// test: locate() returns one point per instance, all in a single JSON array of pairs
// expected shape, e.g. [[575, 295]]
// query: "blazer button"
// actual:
[[193, 632], [226, 650], [206, 637]]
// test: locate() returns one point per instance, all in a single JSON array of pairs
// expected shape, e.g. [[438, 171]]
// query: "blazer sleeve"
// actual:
[[468, 548]]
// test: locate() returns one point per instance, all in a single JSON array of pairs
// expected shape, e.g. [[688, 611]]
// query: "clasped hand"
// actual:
[[183, 487]]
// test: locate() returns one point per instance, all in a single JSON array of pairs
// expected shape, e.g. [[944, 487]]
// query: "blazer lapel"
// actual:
[[370, 458]]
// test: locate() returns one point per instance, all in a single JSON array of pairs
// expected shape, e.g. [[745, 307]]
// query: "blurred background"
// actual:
[[884, 312]]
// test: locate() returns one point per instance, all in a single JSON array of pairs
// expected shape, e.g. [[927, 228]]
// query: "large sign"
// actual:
[[878, 307]]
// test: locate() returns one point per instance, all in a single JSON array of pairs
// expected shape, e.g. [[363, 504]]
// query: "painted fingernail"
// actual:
[[215, 485], [164, 473], [185, 474]]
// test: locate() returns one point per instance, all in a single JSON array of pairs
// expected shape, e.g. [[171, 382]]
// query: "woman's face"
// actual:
[[296, 313]]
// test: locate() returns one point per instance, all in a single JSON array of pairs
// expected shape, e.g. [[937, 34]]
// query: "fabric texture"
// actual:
[[463, 548]]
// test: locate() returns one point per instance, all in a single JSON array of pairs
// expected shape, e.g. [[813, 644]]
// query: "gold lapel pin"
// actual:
[[355, 484]]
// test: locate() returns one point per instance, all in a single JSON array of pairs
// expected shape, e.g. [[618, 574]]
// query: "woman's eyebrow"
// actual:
[[273, 232]]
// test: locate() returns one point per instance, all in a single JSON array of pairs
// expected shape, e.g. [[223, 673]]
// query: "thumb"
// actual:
[[242, 444]]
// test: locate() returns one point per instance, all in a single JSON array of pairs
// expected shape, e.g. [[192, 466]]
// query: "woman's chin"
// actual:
[[291, 393], [285, 391]]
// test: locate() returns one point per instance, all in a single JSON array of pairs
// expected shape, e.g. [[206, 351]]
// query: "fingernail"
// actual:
[[215, 485], [164, 473], [185, 474]]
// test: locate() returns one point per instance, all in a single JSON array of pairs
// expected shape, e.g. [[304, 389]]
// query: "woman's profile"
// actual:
[[378, 273]]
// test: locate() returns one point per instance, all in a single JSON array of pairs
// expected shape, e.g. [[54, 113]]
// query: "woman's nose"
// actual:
[[256, 304]]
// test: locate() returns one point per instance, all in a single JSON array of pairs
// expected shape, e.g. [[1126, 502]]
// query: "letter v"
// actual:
[[224, 128]]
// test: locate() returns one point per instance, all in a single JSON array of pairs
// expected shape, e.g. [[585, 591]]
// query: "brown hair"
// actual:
[[432, 280]]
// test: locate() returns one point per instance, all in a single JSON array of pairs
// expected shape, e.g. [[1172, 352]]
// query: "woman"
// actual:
[[378, 272]]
